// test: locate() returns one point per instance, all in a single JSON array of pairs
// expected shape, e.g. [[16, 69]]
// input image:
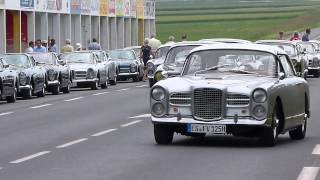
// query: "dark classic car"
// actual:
[[31, 79], [86, 71], [8, 84], [57, 75], [129, 65], [244, 90], [103, 57]]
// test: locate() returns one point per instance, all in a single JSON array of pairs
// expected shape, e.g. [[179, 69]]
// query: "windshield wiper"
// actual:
[[242, 71], [211, 68]]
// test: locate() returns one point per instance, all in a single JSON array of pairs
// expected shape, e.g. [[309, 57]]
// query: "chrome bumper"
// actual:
[[53, 83], [26, 87], [84, 80], [128, 74], [226, 121]]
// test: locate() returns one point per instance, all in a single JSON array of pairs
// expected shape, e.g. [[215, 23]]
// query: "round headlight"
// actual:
[[158, 76], [22, 78], [259, 112], [158, 109], [158, 94], [259, 96], [150, 66], [133, 68], [90, 74]]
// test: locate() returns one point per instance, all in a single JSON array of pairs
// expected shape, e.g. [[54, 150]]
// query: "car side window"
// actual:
[[31, 62], [287, 68]]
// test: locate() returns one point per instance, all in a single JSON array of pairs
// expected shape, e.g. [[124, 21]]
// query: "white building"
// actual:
[[114, 23]]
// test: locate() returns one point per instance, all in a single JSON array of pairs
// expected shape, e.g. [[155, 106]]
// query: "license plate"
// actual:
[[203, 128]]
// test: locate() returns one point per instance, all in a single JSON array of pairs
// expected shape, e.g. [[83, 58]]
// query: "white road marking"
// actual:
[[131, 123], [97, 94], [123, 89], [71, 143], [308, 173], [73, 99], [141, 116], [40, 106], [141, 86], [30, 157], [6, 113], [103, 132], [316, 150]]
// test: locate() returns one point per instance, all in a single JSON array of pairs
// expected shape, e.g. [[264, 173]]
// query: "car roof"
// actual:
[[238, 46], [227, 40]]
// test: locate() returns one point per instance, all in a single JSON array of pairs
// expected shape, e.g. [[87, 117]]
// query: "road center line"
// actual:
[[97, 94], [40, 106], [316, 150], [308, 173], [71, 143], [103, 132], [123, 89], [73, 99], [141, 86], [141, 116], [6, 113], [131, 123], [30, 157]]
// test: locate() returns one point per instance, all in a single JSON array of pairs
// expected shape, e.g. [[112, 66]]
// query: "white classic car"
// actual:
[[245, 90]]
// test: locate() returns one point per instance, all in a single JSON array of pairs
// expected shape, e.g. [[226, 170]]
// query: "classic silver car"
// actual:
[[103, 57], [85, 70], [312, 57], [57, 75], [227, 40], [245, 90], [8, 84], [31, 79]]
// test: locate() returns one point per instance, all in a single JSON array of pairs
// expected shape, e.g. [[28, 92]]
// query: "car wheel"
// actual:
[[269, 136], [163, 134], [13, 97], [151, 82], [41, 93], [28, 94], [94, 85], [114, 81], [104, 85], [316, 74], [66, 90], [299, 132], [56, 90], [136, 78]]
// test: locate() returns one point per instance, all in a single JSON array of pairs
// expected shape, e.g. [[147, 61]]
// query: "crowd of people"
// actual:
[[296, 36]]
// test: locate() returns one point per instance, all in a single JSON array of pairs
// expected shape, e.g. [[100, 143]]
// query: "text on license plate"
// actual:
[[203, 128]]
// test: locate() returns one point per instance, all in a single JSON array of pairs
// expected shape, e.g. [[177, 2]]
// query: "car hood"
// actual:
[[81, 66], [232, 83], [171, 70], [157, 61], [124, 63]]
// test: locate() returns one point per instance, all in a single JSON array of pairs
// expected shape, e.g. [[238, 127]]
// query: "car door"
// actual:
[[63, 71], [102, 68], [37, 74]]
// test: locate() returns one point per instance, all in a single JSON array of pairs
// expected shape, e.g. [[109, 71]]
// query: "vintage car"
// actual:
[[85, 69], [227, 40], [258, 95], [129, 65], [136, 49], [103, 57], [8, 84], [31, 79], [312, 57], [295, 52], [159, 58], [57, 76]]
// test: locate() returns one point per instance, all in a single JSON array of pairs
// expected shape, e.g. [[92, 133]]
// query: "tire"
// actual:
[[13, 97], [136, 78], [56, 90], [151, 82], [269, 136], [163, 134], [28, 94], [41, 93], [114, 81], [104, 85], [94, 86], [300, 132], [66, 90]]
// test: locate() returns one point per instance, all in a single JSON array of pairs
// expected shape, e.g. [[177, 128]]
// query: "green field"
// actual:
[[244, 19]]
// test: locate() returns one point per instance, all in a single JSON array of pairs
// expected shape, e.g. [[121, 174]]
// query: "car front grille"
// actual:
[[80, 74], [238, 100], [208, 104], [182, 99], [124, 69]]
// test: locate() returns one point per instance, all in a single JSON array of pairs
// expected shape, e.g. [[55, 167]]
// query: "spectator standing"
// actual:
[[94, 45], [171, 40], [154, 43], [306, 35], [281, 36], [45, 44], [53, 46], [30, 48], [39, 48], [295, 37], [67, 47], [145, 53], [184, 37]]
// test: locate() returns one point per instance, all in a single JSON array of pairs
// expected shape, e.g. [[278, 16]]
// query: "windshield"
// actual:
[[78, 58], [309, 47], [288, 48], [122, 55], [162, 52], [17, 60], [177, 55], [230, 61], [45, 58]]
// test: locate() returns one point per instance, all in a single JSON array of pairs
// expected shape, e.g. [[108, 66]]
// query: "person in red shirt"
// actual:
[[295, 37]]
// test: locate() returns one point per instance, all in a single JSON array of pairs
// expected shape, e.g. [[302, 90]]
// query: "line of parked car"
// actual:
[[34, 74], [232, 87]]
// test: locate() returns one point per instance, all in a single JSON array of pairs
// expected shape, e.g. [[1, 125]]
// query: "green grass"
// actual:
[[234, 19]]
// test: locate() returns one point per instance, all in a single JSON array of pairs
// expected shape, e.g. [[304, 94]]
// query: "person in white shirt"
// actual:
[[30, 48], [154, 43]]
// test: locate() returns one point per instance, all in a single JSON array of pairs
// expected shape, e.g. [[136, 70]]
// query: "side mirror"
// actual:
[[281, 76], [62, 62]]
